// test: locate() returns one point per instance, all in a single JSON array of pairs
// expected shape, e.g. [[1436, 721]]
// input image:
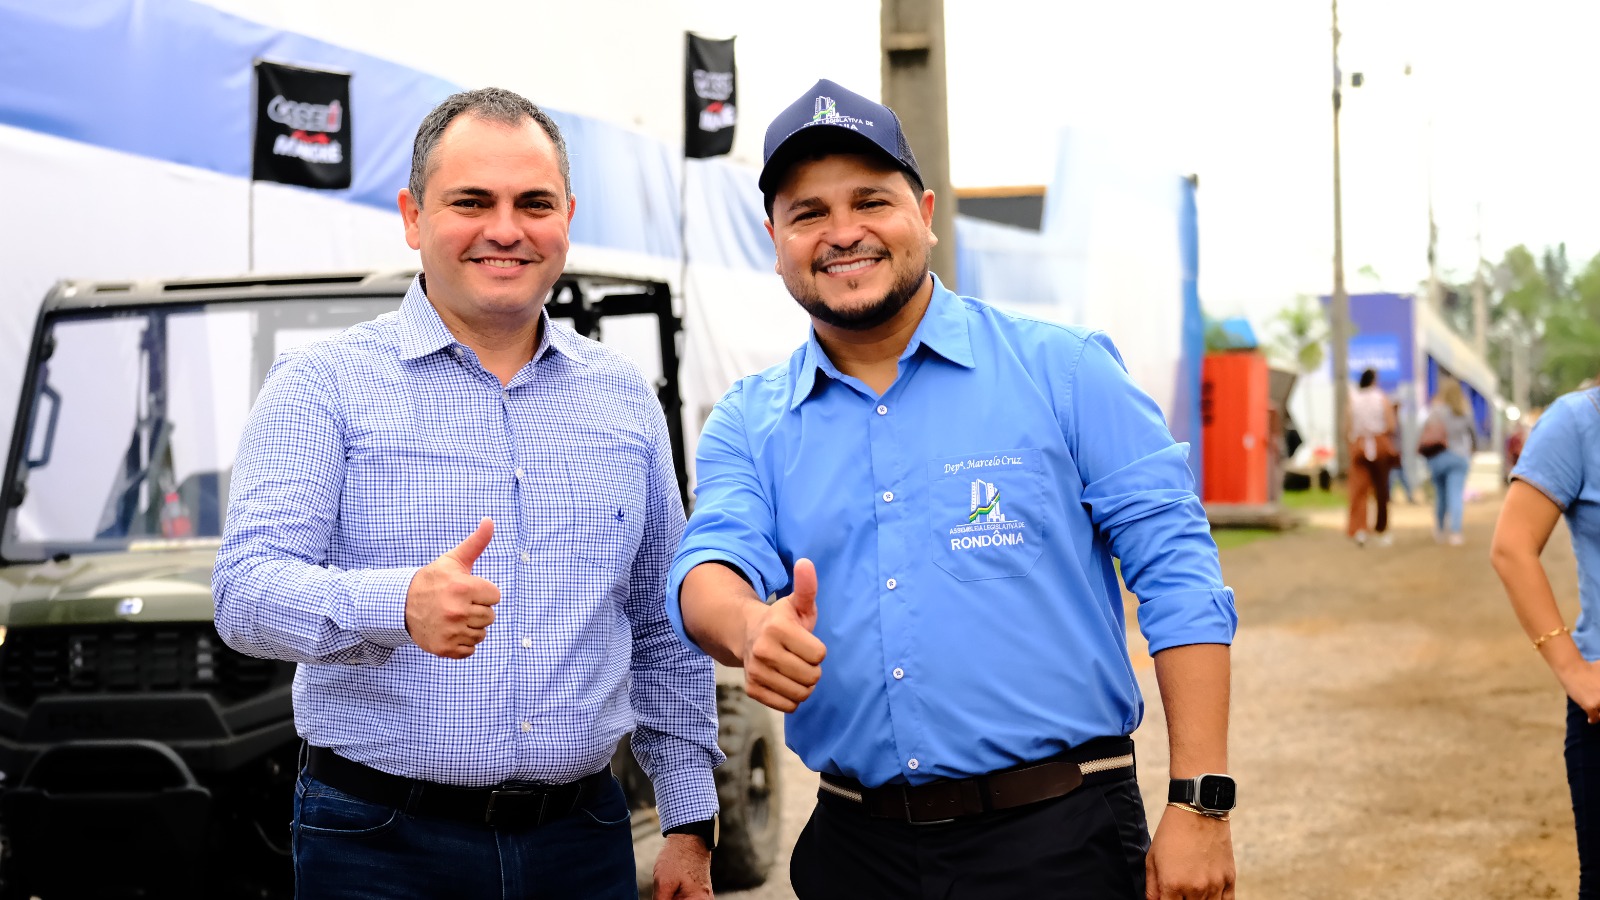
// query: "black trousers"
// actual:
[[1090, 844], [1583, 777]]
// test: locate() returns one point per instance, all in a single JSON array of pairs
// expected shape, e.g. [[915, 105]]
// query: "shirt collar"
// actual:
[[943, 330], [422, 331]]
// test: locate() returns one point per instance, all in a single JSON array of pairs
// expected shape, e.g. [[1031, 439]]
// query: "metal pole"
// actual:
[[912, 38], [1339, 305], [1480, 300]]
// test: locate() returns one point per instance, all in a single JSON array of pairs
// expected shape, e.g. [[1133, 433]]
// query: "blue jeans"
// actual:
[[345, 847], [1583, 777], [1449, 472]]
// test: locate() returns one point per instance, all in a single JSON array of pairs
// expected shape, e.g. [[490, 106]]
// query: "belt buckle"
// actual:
[[911, 817], [489, 817]]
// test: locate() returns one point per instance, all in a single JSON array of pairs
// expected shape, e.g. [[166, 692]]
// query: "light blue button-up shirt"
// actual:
[[370, 454], [963, 526], [1562, 460]]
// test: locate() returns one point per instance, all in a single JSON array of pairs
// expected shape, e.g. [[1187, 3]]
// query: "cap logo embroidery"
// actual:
[[826, 112]]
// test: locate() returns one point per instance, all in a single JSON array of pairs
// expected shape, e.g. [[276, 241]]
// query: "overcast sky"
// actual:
[[1235, 91], [1238, 92]]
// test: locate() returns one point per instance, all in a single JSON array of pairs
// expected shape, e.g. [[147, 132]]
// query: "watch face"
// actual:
[[1216, 792]]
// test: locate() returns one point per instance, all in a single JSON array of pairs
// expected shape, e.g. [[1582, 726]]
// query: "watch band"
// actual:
[[705, 830], [1190, 792]]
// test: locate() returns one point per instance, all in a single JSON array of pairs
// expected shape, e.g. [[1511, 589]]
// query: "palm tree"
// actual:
[[1300, 335]]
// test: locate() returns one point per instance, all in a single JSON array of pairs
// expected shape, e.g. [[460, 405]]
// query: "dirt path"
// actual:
[[1393, 734]]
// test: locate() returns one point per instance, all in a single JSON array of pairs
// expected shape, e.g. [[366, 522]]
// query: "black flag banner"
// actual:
[[302, 127], [708, 97]]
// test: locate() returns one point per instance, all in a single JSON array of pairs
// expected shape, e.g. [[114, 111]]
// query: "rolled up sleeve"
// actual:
[[1140, 495], [733, 520]]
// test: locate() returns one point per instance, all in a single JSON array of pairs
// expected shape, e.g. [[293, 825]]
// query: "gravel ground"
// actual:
[[1392, 733]]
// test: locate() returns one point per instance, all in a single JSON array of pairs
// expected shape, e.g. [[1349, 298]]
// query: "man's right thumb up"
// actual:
[[467, 552], [804, 598]]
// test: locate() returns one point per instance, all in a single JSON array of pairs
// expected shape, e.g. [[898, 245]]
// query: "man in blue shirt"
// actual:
[[458, 519], [938, 489]]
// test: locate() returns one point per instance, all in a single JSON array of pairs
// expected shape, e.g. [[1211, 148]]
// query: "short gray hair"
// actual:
[[496, 105]]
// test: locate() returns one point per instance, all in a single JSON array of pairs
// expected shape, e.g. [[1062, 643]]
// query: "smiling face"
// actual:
[[492, 228], [852, 239]]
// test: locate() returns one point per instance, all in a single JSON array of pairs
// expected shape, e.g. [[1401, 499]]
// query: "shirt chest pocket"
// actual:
[[606, 492], [987, 518]]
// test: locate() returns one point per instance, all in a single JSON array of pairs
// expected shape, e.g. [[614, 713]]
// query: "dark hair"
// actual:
[[492, 104], [1368, 377], [829, 142]]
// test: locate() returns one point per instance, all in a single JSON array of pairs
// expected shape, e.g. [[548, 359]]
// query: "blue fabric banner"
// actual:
[[171, 80]]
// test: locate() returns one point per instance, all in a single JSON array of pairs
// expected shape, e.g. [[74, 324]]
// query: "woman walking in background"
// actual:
[[1450, 426], [1559, 472], [1372, 453]]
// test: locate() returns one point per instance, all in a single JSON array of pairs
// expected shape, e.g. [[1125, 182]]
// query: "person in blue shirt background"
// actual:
[[937, 489], [457, 518], [1558, 474]]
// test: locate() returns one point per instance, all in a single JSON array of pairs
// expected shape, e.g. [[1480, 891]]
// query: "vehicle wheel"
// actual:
[[747, 790]]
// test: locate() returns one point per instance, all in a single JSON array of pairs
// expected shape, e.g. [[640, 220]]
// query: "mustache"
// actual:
[[856, 252]]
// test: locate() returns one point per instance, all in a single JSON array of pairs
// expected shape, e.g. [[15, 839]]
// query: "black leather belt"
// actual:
[[948, 799], [513, 805]]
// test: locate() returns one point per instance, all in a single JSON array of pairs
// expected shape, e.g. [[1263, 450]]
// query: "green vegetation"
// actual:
[[1540, 308], [1316, 498], [1299, 334], [1227, 538]]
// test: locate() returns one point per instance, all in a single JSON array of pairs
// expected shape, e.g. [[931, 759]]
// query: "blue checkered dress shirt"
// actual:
[[368, 455]]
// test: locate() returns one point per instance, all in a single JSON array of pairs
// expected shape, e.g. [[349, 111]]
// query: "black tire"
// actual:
[[748, 790]]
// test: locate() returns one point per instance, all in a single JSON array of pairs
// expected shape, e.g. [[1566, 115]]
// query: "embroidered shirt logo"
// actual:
[[985, 503], [986, 526]]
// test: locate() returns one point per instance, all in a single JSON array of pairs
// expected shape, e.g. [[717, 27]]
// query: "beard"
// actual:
[[908, 279]]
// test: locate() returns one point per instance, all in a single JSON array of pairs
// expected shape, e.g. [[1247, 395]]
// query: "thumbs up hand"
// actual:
[[782, 657], [448, 609]]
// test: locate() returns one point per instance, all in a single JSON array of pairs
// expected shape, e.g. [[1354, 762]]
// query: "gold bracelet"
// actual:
[[1198, 812], [1539, 641]]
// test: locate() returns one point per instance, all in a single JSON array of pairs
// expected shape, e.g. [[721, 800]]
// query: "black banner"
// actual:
[[708, 97], [302, 127]]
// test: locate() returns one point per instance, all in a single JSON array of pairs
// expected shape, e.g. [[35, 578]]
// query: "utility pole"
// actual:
[[1339, 304], [912, 37], [1434, 300], [1480, 300]]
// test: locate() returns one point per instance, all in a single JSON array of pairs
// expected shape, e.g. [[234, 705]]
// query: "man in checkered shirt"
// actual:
[[458, 518]]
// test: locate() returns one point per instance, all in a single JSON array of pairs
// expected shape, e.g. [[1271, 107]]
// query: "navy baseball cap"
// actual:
[[831, 112]]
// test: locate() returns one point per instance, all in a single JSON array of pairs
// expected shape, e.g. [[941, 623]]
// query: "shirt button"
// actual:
[[910, 763], [525, 556], [519, 473], [899, 673], [883, 410], [527, 643], [529, 727], [456, 351], [888, 496], [890, 584]]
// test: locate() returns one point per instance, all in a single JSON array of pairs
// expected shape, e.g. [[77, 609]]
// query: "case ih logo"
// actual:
[[297, 142], [305, 116]]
